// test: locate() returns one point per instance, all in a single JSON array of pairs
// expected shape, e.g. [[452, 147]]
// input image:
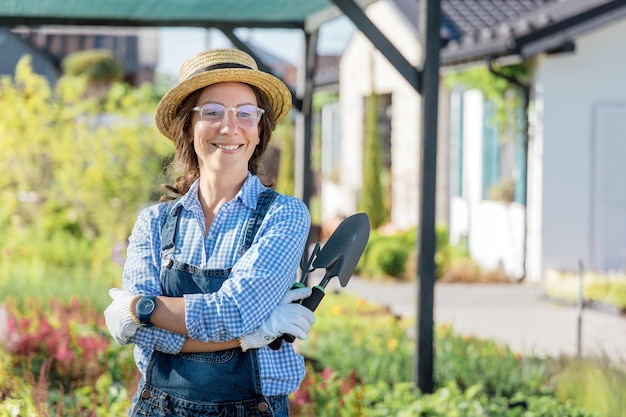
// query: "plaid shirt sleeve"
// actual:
[[258, 279], [141, 276]]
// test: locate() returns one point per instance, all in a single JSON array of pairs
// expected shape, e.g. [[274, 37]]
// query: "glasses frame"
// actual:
[[234, 110]]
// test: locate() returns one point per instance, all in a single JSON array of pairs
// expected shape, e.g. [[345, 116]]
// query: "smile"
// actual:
[[228, 147]]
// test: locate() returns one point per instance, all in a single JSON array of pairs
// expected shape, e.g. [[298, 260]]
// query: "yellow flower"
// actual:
[[392, 344], [335, 311]]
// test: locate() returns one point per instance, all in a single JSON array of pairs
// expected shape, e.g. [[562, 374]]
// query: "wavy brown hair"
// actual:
[[185, 167]]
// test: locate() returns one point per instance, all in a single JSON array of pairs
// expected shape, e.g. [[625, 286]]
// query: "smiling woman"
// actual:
[[208, 275]]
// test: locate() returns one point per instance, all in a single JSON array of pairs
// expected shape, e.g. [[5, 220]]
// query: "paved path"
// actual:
[[513, 314]]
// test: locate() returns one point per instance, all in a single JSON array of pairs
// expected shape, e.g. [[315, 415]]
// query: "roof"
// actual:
[[476, 30], [192, 13]]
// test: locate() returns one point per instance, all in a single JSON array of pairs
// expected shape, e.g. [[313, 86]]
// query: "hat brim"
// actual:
[[274, 90]]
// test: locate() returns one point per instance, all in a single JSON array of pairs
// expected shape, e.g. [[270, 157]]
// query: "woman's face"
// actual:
[[226, 148]]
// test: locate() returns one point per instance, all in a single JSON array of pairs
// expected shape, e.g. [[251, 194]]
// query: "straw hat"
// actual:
[[218, 66]]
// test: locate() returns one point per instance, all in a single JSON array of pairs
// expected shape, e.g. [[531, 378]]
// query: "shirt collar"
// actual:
[[248, 194]]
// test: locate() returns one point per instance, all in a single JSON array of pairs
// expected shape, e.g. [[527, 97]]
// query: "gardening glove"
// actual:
[[287, 317], [121, 322]]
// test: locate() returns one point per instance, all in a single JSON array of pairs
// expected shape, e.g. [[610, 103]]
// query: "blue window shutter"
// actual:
[[491, 149]]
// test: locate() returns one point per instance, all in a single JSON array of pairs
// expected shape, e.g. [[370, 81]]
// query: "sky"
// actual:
[[178, 44]]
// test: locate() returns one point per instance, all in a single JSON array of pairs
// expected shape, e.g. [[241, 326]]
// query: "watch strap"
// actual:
[[144, 317]]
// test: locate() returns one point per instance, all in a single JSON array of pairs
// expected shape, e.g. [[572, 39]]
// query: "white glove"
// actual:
[[118, 317], [287, 318]]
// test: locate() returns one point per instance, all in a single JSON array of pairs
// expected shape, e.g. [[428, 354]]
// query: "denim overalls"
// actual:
[[225, 383]]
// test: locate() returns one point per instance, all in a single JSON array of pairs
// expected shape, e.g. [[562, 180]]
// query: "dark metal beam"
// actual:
[[241, 45], [304, 120], [429, 28], [11, 21], [378, 39]]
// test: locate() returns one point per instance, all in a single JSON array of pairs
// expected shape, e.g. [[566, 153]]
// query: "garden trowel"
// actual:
[[339, 256]]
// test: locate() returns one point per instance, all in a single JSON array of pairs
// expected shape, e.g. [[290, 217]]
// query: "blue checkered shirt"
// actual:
[[258, 280]]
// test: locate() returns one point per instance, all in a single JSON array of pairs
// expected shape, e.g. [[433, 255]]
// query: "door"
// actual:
[[608, 203]]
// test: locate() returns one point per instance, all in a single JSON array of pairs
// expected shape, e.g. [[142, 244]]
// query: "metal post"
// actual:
[[430, 23], [579, 329], [304, 120]]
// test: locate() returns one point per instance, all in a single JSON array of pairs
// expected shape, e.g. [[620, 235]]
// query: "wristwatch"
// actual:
[[145, 307]]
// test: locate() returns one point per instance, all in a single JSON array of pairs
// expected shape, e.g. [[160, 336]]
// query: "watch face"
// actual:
[[145, 306]]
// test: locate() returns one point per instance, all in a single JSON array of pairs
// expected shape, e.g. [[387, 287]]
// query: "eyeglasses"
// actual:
[[247, 116]]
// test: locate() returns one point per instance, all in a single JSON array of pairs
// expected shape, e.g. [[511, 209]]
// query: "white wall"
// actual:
[[569, 86], [494, 230]]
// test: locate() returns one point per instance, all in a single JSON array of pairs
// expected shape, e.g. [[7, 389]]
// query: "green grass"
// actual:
[[609, 289], [22, 280]]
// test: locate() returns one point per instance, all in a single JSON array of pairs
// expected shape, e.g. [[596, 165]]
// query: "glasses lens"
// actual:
[[247, 116], [212, 113]]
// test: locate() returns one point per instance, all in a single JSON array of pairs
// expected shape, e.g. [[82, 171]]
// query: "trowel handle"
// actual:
[[311, 302]]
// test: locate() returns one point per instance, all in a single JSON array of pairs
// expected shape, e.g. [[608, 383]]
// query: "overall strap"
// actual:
[[266, 198], [168, 232]]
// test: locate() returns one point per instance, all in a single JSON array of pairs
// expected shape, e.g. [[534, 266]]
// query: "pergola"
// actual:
[[307, 16]]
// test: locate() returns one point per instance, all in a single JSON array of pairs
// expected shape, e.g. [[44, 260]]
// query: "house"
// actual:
[[135, 48], [567, 204], [12, 48]]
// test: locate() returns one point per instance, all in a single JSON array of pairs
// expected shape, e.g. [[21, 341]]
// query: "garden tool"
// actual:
[[339, 256]]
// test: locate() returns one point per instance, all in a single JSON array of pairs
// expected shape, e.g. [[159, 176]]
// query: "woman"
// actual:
[[207, 277]]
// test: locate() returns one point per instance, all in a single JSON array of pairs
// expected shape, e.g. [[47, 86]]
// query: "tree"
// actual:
[[371, 199], [285, 137], [75, 168], [98, 66]]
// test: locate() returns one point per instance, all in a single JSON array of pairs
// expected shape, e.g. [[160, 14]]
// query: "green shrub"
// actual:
[[388, 255], [361, 361], [61, 355], [469, 361], [395, 255], [609, 289], [360, 365], [352, 336], [594, 384], [96, 65], [371, 199]]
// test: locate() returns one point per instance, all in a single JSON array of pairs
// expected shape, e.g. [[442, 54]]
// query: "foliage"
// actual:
[[371, 200], [391, 254], [67, 342], [504, 191], [22, 280], [388, 257], [284, 136], [98, 66], [320, 99], [61, 361], [77, 169], [607, 290], [469, 362], [360, 364], [594, 384], [452, 402], [506, 97], [366, 340]]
